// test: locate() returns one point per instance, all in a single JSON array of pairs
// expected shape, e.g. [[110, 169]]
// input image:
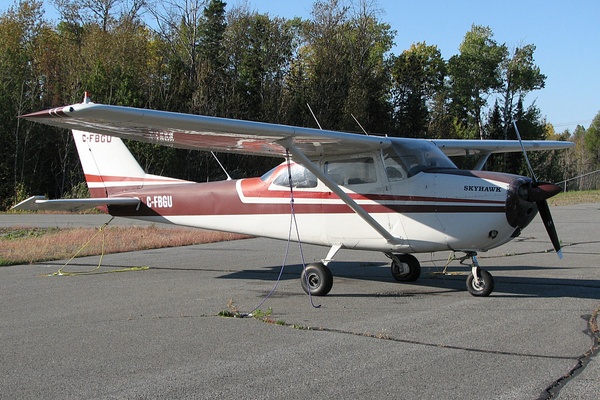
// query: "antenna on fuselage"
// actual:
[[220, 165], [361, 127], [535, 181], [314, 116]]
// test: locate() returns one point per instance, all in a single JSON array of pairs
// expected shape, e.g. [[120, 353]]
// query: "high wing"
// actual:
[[238, 136], [204, 133], [485, 148], [461, 147], [35, 203]]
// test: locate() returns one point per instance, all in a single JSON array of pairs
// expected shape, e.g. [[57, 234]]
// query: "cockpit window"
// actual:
[[412, 156], [301, 178], [394, 166], [353, 171]]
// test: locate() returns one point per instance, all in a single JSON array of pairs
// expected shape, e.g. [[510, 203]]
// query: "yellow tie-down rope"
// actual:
[[61, 271]]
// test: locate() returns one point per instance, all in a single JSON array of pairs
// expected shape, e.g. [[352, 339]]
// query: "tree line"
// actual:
[[195, 56]]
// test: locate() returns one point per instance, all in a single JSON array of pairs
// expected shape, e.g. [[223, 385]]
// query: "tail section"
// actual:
[[110, 168]]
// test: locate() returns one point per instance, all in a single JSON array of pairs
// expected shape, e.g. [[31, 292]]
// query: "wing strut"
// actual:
[[296, 153], [481, 163]]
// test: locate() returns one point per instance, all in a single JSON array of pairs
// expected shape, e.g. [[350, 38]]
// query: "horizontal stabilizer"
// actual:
[[35, 203]]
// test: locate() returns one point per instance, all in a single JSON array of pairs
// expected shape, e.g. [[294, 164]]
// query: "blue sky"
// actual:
[[566, 35]]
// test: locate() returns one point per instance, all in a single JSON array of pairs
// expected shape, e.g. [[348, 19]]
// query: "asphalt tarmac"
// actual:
[[156, 333]]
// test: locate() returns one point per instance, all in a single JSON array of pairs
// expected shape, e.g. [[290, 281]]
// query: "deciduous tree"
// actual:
[[418, 75], [519, 77], [475, 73]]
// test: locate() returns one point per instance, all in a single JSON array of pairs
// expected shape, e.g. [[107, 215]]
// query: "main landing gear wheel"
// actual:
[[481, 286], [405, 267], [316, 279]]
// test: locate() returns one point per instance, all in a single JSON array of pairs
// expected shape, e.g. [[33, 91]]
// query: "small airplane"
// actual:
[[398, 196]]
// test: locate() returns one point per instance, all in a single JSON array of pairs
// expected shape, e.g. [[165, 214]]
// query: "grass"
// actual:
[[258, 314], [579, 197], [20, 245]]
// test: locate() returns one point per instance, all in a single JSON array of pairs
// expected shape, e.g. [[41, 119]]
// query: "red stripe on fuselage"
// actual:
[[253, 190], [222, 198]]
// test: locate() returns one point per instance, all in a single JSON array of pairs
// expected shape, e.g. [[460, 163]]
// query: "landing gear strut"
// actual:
[[479, 282]]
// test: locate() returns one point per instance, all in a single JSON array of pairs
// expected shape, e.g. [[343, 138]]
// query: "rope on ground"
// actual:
[[96, 270]]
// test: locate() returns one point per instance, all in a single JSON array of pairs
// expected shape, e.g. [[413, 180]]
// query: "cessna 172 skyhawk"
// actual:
[[394, 195]]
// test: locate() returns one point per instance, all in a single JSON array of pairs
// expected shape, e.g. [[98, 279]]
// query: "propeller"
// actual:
[[539, 193]]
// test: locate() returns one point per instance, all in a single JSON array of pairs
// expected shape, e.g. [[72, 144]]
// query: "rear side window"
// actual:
[[301, 178], [355, 171]]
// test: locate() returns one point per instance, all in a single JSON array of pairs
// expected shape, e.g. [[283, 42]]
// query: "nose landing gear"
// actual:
[[479, 282]]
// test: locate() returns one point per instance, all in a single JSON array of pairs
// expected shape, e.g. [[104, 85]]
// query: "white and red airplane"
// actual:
[[394, 195]]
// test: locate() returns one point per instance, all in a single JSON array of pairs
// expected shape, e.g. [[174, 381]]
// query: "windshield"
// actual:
[[411, 156]]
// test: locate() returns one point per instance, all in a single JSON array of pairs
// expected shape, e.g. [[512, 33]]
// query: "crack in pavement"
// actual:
[[270, 319], [383, 336], [550, 392], [594, 333]]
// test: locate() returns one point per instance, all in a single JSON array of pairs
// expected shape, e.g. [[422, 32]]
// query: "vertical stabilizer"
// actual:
[[109, 167]]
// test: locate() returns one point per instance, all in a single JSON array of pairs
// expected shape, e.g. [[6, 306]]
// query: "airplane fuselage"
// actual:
[[431, 211]]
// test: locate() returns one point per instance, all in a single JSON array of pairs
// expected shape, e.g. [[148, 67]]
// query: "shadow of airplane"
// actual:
[[505, 285]]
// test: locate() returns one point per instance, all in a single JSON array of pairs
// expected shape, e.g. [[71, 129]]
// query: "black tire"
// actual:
[[316, 279], [414, 268], [484, 288]]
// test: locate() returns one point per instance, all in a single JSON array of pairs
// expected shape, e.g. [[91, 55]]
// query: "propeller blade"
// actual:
[[542, 191], [544, 211], [539, 192]]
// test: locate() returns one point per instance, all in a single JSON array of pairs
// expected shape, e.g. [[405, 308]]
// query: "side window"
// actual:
[[350, 172], [301, 178]]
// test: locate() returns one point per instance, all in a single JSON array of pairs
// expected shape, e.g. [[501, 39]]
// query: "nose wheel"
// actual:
[[479, 282]]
